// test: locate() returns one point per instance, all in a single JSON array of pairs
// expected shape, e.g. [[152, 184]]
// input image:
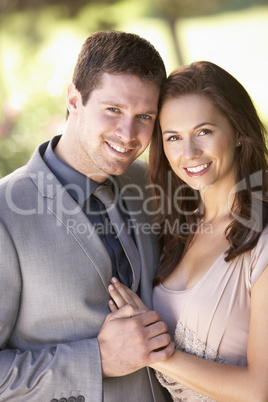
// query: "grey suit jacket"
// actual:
[[54, 272]]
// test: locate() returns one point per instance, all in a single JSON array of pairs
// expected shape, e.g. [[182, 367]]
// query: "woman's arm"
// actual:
[[218, 381]]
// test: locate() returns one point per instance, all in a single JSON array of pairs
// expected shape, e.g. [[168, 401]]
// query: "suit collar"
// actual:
[[77, 184]]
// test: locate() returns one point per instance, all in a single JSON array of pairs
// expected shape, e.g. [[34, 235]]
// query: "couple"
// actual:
[[208, 164]]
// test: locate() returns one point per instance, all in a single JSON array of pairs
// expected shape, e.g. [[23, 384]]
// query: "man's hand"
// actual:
[[130, 339]]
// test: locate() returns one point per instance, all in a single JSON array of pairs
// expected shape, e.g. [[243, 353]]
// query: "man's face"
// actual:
[[114, 127]]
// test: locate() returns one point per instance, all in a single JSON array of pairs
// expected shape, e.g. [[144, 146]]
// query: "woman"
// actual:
[[208, 154]]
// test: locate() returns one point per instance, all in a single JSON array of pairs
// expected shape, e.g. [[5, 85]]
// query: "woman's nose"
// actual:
[[191, 149]]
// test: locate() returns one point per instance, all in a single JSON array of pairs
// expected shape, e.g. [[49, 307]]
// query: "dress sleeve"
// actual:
[[259, 257]]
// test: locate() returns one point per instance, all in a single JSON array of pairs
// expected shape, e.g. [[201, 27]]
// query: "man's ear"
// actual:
[[73, 97]]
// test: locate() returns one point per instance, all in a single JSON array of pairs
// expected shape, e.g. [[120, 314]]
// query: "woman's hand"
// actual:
[[131, 336], [127, 305], [123, 296]]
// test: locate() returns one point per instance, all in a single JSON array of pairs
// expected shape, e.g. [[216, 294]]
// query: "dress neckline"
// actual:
[[200, 280], [167, 290]]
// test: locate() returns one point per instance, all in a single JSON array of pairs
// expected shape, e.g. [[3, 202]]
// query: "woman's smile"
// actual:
[[198, 170]]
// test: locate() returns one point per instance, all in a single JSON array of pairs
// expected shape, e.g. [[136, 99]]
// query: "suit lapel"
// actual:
[[81, 229], [70, 215]]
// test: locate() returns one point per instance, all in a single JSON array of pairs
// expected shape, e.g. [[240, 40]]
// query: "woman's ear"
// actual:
[[72, 98], [238, 140]]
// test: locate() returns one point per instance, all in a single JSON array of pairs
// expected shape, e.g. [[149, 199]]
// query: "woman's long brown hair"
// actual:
[[180, 220]]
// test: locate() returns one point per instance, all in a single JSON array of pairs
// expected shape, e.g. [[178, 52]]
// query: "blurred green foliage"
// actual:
[[39, 47], [38, 50], [25, 103]]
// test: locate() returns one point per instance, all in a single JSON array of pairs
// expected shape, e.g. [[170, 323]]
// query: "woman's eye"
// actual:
[[205, 131], [173, 138]]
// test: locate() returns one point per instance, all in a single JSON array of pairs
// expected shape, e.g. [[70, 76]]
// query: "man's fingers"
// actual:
[[151, 317], [159, 342], [161, 355], [133, 339], [149, 320], [155, 327], [127, 311]]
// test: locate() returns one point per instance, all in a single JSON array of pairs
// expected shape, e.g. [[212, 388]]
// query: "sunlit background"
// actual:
[[40, 41]]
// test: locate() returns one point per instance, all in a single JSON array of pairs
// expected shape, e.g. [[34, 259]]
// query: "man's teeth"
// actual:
[[198, 168], [119, 149]]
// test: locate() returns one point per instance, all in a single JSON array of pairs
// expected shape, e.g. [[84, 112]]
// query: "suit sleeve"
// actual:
[[66, 369]]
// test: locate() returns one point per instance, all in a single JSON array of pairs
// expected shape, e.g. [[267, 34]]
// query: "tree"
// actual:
[[69, 7], [173, 10]]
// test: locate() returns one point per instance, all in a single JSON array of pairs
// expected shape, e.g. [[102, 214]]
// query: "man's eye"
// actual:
[[113, 109], [144, 116]]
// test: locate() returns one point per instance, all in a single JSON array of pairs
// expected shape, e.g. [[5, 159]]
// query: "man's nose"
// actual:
[[126, 130]]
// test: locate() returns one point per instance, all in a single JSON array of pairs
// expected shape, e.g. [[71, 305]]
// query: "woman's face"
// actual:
[[199, 142]]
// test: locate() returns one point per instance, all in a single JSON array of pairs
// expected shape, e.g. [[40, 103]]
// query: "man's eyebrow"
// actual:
[[113, 103]]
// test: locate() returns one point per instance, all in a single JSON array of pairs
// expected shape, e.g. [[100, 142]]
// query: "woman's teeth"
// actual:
[[198, 169]]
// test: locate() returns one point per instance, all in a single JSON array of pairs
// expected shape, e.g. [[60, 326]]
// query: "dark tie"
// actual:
[[105, 194]]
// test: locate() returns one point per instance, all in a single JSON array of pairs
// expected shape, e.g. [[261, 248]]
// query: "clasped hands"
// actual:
[[132, 337]]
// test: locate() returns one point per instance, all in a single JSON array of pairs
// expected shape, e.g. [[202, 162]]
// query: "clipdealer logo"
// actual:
[[51, 199]]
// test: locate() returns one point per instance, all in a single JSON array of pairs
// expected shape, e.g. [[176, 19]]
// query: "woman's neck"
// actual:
[[218, 203]]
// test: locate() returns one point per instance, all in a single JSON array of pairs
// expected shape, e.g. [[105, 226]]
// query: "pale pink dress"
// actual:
[[211, 320]]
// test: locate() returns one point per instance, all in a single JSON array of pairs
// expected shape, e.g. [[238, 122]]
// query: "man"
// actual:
[[57, 341]]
